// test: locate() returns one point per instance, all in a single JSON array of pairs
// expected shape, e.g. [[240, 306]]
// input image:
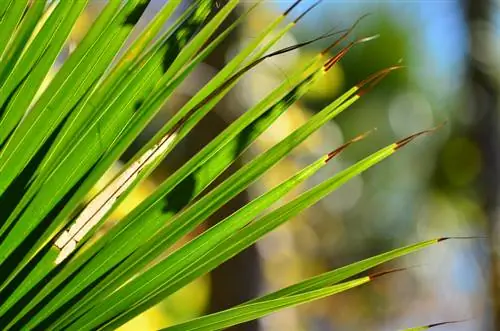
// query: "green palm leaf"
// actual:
[[62, 130]]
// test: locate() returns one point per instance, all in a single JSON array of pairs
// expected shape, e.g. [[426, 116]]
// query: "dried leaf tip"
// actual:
[[335, 59], [446, 323], [385, 272], [296, 46], [275, 53], [461, 238], [337, 151], [408, 139], [369, 83], [442, 239], [314, 5], [332, 61], [344, 36], [291, 7]]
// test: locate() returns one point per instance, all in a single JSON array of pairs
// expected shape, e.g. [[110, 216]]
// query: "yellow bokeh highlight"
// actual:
[[152, 319]]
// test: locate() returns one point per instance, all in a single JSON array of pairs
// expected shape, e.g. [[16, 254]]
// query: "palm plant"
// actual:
[[58, 139]]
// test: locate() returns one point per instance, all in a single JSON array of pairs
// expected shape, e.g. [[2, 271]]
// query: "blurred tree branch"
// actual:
[[483, 103]]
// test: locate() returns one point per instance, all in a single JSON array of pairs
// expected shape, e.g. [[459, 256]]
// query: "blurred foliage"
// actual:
[[426, 192]]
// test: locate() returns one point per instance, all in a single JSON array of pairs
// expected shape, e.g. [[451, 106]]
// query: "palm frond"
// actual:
[[63, 126]]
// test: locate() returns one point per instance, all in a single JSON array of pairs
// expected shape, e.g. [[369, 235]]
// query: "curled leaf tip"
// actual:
[[291, 7], [408, 139], [337, 151], [314, 5], [362, 17], [385, 272], [344, 35]]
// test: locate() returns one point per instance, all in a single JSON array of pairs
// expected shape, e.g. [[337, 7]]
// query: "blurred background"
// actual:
[[442, 185]]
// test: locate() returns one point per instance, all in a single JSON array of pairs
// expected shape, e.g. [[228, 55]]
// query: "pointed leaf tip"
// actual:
[[408, 139], [385, 272], [461, 238], [337, 151], [314, 5], [446, 323], [291, 7]]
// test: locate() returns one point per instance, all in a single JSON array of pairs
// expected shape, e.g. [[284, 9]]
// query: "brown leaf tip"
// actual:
[[335, 59], [408, 139], [369, 83], [385, 272], [337, 151], [346, 33]]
